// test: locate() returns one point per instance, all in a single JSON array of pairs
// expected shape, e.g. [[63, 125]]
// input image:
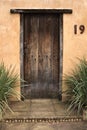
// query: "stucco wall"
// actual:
[[73, 45]]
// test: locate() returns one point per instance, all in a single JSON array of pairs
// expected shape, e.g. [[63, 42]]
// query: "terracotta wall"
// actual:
[[73, 45]]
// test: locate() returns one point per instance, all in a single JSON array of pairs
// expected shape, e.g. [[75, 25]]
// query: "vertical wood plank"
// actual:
[[60, 37], [22, 50]]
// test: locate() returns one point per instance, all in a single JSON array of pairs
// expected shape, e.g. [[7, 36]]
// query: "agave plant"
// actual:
[[8, 81], [76, 82]]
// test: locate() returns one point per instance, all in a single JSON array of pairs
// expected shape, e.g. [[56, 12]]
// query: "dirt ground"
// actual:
[[44, 126]]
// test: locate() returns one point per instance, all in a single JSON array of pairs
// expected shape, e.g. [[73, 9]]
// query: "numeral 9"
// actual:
[[82, 29]]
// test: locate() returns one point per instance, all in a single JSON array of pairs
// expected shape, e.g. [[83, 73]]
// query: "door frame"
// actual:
[[60, 13]]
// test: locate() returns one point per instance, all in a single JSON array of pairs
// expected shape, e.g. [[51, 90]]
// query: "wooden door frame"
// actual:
[[60, 13]]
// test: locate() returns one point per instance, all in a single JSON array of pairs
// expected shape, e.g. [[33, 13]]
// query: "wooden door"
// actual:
[[41, 56]]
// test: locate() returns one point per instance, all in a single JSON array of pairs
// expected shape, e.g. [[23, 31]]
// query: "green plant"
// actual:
[[76, 82], [8, 81]]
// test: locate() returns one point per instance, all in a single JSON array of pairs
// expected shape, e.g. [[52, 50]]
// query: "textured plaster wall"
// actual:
[[73, 45]]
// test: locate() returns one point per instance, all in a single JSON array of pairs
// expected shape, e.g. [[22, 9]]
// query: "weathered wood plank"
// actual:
[[50, 11]]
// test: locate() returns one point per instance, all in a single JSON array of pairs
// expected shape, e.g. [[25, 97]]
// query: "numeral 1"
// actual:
[[75, 29]]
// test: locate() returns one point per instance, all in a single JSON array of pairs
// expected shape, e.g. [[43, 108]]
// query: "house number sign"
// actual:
[[79, 29]]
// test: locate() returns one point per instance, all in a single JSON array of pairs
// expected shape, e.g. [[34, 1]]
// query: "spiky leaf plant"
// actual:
[[77, 86], [8, 81]]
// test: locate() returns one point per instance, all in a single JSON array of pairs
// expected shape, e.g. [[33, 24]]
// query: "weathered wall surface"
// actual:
[[73, 45]]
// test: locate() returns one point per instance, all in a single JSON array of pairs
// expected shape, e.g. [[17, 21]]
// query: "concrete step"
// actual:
[[39, 108]]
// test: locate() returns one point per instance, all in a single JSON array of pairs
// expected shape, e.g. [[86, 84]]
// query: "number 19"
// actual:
[[81, 28]]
